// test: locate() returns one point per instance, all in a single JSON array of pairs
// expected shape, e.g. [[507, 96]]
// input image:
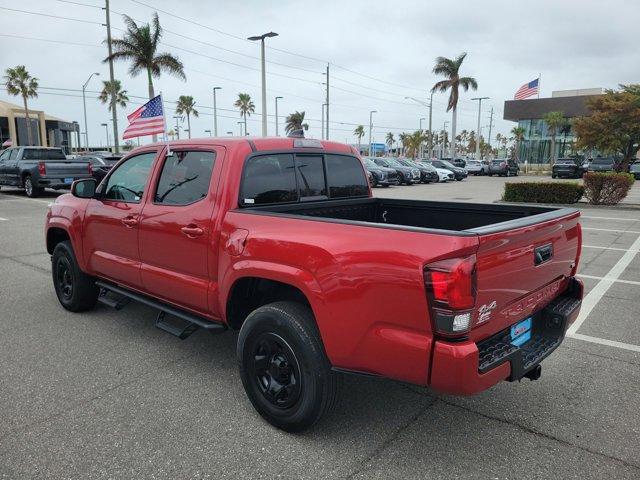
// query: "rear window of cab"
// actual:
[[292, 177]]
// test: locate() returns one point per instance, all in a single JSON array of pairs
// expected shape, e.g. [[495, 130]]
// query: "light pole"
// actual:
[[371, 128], [209, 132], [430, 106], [240, 123], [264, 77], [421, 147], [177, 117], [215, 111], [277, 98], [84, 105], [478, 130], [322, 131], [444, 138], [106, 129]]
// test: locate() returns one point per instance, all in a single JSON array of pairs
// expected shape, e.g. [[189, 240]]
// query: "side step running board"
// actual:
[[188, 324]]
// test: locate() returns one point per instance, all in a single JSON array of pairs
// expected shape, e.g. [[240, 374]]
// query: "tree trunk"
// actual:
[[553, 150], [151, 95], [189, 123], [453, 132], [26, 114]]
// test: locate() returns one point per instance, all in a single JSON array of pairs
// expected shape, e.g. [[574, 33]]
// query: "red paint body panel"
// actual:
[[365, 284]]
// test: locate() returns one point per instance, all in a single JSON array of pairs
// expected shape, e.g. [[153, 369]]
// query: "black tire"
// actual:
[[282, 337], [386, 185], [76, 291], [553, 175], [374, 182], [30, 189]]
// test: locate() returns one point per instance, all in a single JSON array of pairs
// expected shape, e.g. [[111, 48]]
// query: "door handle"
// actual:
[[129, 222], [192, 231]]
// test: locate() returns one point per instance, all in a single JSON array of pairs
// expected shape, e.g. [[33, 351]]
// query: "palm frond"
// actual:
[[468, 83], [170, 64]]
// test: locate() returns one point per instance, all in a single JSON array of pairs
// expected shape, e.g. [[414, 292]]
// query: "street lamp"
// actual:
[[240, 123], [208, 131], [84, 105], [264, 77], [177, 117], [215, 112], [277, 98], [430, 105], [478, 134], [106, 129], [371, 128], [421, 152]]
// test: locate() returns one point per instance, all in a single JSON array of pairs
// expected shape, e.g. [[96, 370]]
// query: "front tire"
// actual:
[[76, 291], [283, 367]]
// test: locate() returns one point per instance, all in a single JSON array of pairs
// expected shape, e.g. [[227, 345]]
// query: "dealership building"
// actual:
[[536, 144], [46, 130]]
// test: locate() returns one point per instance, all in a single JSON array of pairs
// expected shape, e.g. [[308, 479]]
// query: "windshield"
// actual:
[[370, 163], [473, 162], [498, 162], [602, 161], [447, 164], [43, 154], [393, 163]]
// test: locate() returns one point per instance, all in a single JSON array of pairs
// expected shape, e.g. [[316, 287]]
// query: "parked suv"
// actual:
[[458, 173], [380, 176], [477, 167], [406, 175], [634, 169], [428, 173], [504, 167], [603, 164], [567, 167]]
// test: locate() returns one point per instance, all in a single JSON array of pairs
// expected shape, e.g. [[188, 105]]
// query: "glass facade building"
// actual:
[[535, 147]]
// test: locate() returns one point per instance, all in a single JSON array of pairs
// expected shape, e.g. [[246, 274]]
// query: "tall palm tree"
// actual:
[[113, 90], [404, 141], [518, 135], [555, 122], [451, 70], [295, 121], [140, 46], [186, 106], [414, 142], [246, 107], [359, 132], [18, 81], [390, 139]]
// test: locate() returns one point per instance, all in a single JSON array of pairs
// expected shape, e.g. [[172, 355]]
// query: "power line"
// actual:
[[53, 16], [22, 37]]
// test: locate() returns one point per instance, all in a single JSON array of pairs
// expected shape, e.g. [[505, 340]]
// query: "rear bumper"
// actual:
[[59, 182], [467, 368]]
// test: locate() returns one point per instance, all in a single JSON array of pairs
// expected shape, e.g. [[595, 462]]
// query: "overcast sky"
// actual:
[[380, 53]]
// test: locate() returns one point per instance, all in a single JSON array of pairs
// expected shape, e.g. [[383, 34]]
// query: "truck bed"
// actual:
[[465, 218]]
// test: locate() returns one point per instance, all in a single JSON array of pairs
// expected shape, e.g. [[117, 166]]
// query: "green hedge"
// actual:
[[543, 192], [606, 188]]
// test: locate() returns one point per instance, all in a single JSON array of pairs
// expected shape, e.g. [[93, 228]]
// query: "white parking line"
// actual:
[[4, 219], [595, 295], [16, 199], [611, 218], [604, 341], [610, 230], [609, 248], [593, 277]]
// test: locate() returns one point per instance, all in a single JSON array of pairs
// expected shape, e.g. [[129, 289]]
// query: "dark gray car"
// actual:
[[634, 169]]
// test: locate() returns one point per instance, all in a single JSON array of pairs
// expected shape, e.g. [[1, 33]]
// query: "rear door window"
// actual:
[[345, 177], [185, 178], [269, 179]]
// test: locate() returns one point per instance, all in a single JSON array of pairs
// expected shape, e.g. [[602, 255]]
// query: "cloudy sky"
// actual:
[[380, 52]]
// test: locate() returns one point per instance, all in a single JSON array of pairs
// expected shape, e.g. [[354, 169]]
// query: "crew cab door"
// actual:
[[10, 169], [178, 239], [111, 223], [4, 157]]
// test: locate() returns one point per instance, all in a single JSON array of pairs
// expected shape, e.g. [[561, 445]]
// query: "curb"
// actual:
[[629, 206]]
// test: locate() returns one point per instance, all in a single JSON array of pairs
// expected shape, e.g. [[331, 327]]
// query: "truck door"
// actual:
[[177, 234], [111, 221], [4, 156]]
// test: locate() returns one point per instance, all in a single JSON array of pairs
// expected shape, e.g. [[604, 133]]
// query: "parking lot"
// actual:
[[105, 394]]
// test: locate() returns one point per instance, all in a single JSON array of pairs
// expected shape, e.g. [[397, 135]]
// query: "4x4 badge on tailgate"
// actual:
[[484, 312]]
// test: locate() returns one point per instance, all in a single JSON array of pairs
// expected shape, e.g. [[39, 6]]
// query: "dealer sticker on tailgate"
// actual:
[[521, 332]]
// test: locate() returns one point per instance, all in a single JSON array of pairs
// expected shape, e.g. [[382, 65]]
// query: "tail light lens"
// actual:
[[42, 168], [451, 292], [90, 168]]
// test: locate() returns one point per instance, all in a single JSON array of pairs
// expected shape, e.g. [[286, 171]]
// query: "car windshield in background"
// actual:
[[603, 161], [565, 162], [473, 162], [393, 163], [43, 154], [498, 162], [448, 164]]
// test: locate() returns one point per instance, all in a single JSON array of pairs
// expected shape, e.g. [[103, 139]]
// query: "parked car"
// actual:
[[427, 173], [477, 167], [458, 173], [406, 175], [101, 163], [444, 175], [506, 167], [568, 168], [37, 168], [381, 176], [634, 169], [603, 164], [281, 240], [457, 162]]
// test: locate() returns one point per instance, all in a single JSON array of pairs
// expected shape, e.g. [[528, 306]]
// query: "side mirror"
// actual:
[[85, 188]]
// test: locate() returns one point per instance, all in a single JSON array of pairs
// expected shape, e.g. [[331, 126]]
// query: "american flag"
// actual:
[[146, 120], [527, 90]]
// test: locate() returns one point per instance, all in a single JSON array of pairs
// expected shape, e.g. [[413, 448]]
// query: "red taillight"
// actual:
[[90, 168], [451, 291], [42, 168]]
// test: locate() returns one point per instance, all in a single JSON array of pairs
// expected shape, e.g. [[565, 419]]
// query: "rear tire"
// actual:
[[76, 291], [283, 367], [30, 189]]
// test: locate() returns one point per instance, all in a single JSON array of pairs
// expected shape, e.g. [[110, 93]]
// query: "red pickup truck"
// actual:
[[280, 239]]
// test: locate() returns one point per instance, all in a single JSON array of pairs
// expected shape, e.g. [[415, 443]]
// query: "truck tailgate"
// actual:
[[520, 270], [61, 168]]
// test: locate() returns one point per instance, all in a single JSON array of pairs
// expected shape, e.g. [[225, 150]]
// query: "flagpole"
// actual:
[[539, 83], [164, 119]]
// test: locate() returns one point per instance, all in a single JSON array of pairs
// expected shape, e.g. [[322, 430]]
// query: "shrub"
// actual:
[[543, 192], [606, 188]]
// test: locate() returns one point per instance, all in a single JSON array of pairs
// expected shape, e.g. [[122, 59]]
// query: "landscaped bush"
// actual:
[[606, 188], [543, 192]]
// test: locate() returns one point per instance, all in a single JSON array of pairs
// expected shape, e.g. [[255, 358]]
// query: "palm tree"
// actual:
[[185, 106], [451, 70], [295, 121], [390, 139], [518, 135], [19, 82], [140, 45], [555, 122], [359, 132], [113, 90], [246, 107], [414, 142]]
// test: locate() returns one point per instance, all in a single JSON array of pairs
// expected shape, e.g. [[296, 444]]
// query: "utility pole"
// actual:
[[240, 123], [478, 131], [490, 126], [264, 77], [370, 129], [327, 103], [114, 115], [177, 127], [84, 105], [322, 128], [430, 105], [277, 98], [215, 112], [421, 143]]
